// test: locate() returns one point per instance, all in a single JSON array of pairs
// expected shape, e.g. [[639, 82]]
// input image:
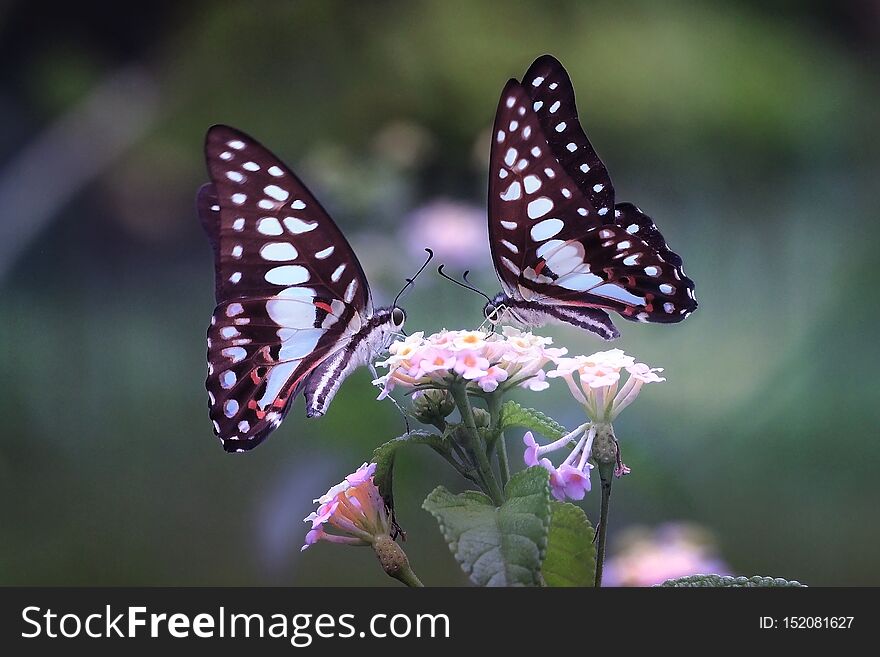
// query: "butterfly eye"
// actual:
[[490, 311], [398, 317]]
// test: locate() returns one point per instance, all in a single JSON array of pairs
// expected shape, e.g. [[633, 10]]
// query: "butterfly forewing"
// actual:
[[289, 289], [552, 94]]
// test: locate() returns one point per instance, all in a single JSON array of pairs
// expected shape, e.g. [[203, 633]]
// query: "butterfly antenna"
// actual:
[[467, 285], [411, 281]]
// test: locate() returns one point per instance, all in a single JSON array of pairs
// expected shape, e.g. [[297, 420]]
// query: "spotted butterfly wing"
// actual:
[[293, 305], [563, 250]]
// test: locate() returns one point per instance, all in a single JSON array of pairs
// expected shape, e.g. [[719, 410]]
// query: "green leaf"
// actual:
[[571, 555], [383, 457], [514, 415], [725, 581], [497, 546]]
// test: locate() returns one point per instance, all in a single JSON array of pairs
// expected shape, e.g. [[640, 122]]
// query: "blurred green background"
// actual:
[[748, 130]]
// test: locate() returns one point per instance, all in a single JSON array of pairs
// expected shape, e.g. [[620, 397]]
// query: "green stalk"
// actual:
[[474, 444], [606, 476], [494, 403]]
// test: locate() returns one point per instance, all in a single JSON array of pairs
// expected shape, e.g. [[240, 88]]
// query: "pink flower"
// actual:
[[594, 381], [470, 365], [353, 508], [571, 480], [494, 375], [651, 556]]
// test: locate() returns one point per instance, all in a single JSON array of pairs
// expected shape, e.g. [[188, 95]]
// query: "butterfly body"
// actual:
[[294, 313], [563, 249]]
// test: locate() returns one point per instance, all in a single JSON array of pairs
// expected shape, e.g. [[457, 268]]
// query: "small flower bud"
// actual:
[[482, 418], [431, 406]]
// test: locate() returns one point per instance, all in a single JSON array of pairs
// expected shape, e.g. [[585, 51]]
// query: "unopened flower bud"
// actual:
[[393, 560], [482, 418], [432, 405]]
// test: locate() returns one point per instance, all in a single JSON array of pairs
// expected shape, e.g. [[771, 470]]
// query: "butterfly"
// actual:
[[294, 312], [563, 250]]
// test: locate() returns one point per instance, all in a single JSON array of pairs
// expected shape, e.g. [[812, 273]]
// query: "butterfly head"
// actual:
[[496, 308], [397, 315]]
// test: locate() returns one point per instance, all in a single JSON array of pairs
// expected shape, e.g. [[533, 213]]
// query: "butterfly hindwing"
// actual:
[[290, 291]]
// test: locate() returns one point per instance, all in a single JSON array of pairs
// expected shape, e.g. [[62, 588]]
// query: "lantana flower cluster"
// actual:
[[486, 361], [595, 382], [353, 509]]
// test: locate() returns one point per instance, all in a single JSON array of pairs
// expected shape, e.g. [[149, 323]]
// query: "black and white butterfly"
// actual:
[[294, 311], [563, 250]]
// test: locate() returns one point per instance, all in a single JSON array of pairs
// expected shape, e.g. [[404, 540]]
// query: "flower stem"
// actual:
[[606, 476], [494, 403], [474, 444]]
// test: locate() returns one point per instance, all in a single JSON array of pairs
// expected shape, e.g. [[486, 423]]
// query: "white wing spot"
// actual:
[[632, 229], [539, 207], [631, 260], [566, 192], [510, 156], [236, 144], [571, 146], [337, 273], [521, 165], [236, 354], [238, 199], [250, 166], [225, 155], [235, 278], [244, 426], [237, 251], [350, 290], [275, 171], [544, 230], [532, 184], [235, 176], [230, 408], [502, 173], [510, 246], [549, 173], [234, 309], [513, 192], [554, 107], [276, 192], [511, 101], [537, 81], [238, 224], [269, 226], [513, 125], [668, 307], [527, 132], [509, 264], [279, 251], [298, 205], [298, 226], [287, 275], [585, 167], [606, 233], [500, 137], [266, 204], [554, 85], [665, 288], [625, 244], [228, 379], [603, 212], [652, 271], [598, 188], [583, 212], [229, 332], [560, 126], [536, 151], [325, 253], [509, 225]]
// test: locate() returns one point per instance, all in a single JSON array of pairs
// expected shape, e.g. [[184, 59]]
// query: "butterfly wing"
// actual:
[[555, 244], [290, 291]]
